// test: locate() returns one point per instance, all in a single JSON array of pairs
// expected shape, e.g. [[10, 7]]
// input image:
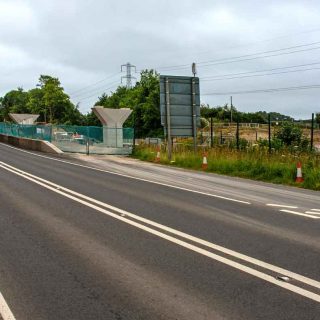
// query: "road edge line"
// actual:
[[5, 311]]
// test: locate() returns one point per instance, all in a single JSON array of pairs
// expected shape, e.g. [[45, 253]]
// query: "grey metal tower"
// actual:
[[129, 76]]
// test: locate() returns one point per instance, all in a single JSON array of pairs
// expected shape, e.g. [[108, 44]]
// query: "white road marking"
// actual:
[[315, 210], [300, 214], [132, 177], [281, 205], [312, 212], [5, 311], [173, 231], [231, 263]]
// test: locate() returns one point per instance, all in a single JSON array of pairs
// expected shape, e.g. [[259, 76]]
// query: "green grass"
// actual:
[[254, 164]]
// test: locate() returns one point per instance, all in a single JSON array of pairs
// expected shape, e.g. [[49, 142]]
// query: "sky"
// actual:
[[240, 48]]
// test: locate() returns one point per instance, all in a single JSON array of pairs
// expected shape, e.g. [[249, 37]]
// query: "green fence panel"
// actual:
[[75, 138]]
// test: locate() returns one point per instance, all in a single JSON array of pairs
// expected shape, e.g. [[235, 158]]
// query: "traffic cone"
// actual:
[[157, 159], [299, 177], [204, 161]]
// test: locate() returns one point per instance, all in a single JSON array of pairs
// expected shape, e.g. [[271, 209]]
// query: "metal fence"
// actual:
[[26, 131], [80, 139]]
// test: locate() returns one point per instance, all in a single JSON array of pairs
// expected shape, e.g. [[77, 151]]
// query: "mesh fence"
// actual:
[[81, 139], [26, 131]]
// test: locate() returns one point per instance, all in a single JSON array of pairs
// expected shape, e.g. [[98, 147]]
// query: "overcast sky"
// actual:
[[85, 42]]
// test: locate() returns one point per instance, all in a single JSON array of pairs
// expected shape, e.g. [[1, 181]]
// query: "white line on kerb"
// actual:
[[231, 263], [5, 311], [300, 214], [281, 205], [132, 177]]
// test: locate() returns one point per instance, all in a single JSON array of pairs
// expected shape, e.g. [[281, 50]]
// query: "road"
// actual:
[[120, 239]]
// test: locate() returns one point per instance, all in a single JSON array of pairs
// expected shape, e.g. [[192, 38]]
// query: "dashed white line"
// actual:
[[318, 210], [300, 214], [281, 206], [5, 311]]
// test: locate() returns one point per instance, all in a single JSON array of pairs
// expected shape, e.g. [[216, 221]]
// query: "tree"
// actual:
[[55, 101], [15, 101], [144, 99], [289, 134], [35, 103]]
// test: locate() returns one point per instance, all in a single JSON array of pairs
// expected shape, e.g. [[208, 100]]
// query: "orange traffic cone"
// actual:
[[204, 161], [157, 159], [299, 177]]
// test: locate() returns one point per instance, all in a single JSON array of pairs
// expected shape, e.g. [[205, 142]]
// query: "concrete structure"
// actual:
[[24, 118], [112, 121], [30, 144]]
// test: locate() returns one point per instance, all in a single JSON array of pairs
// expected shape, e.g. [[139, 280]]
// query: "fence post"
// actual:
[[269, 131], [88, 141], [237, 135], [312, 128], [134, 132], [211, 131]]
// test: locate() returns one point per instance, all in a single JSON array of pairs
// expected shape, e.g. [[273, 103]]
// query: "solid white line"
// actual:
[[253, 272], [281, 205], [5, 311], [313, 212], [300, 214], [132, 177], [235, 254]]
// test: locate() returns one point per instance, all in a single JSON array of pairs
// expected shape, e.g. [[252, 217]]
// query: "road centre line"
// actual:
[[231, 263], [132, 177], [300, 214], [224, 250], [281, 205], [5, 311]]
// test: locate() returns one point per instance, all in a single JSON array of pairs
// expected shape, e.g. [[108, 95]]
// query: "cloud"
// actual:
[[83, 41]]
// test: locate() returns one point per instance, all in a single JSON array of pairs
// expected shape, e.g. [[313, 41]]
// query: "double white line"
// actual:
[[270, 273]]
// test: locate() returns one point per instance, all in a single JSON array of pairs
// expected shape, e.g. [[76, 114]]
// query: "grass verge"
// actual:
[[277, 168]]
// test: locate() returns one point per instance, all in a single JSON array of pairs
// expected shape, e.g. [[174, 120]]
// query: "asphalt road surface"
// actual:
[[121, 239]]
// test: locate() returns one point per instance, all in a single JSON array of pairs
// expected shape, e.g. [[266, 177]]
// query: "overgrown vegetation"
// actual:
[[278, 167]]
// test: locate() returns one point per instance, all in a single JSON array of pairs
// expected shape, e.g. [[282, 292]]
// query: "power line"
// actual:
[[236, 58], [94, 89], [260, 75], [93, 84], [254, 58], [256, 71], [314, 86], [95, 94], [263, 52], [266, 40], [266, 56]]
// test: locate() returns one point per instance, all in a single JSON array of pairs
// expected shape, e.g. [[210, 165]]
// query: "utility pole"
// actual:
[[194, 115], [231, 109], [128, 76]]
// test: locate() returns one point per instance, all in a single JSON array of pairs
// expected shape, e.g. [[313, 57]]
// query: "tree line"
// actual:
[[52, 103]]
